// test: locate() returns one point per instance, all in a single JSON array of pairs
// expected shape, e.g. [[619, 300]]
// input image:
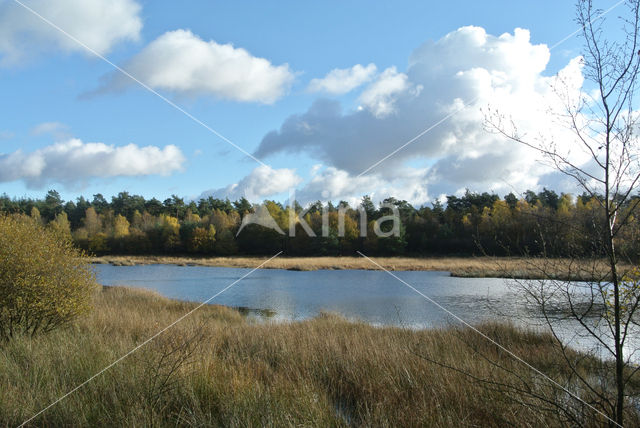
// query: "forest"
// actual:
[[543, 223]]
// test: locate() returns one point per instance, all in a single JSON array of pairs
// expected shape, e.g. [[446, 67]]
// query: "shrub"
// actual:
[[44, 280]]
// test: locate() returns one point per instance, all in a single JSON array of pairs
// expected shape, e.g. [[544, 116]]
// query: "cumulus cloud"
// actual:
[[181, 62], [100, 24], [333, 184], [325, 183], [379, 98], [74, 161], [342, 80], [460, 74], [262, 182]]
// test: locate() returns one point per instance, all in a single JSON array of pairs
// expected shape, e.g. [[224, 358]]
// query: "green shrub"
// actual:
[[44, 280]]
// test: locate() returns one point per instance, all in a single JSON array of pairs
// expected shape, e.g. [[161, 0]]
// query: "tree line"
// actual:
[[532, 223]]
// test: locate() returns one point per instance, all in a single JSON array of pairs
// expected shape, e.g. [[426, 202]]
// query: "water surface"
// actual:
[[371, 296]]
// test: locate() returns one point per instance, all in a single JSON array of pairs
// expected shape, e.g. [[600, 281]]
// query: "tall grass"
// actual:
[[217, 368]]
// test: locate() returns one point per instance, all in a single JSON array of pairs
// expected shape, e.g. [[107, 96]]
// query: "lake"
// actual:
[[371, 296]]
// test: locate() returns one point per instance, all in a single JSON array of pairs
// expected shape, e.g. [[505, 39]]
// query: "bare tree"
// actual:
[[603, 124]]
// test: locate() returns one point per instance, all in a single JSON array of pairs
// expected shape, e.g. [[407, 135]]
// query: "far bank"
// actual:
[[469, 267]]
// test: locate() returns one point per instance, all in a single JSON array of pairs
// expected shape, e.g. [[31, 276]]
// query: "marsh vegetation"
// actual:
[[218, 368]]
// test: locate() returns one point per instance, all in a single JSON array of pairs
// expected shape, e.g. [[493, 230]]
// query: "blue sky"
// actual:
[[54, 92]]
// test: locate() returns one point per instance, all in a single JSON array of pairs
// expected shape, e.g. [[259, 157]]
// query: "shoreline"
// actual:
[[462, 267]]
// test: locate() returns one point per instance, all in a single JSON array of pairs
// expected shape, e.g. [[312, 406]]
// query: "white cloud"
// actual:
[[74, 161], [100, 24], [466, 66], [379, 98], [342, 80], [262, 182], [181, 62], [333, 184]]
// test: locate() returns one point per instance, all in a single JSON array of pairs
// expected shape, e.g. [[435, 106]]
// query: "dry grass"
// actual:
[[471, 267], [217, 368]]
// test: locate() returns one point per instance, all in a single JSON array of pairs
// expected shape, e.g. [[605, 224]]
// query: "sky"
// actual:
[[252, 99]]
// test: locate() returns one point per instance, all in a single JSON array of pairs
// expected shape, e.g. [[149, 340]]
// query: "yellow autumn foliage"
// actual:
[[44, 280], [120, 227]]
